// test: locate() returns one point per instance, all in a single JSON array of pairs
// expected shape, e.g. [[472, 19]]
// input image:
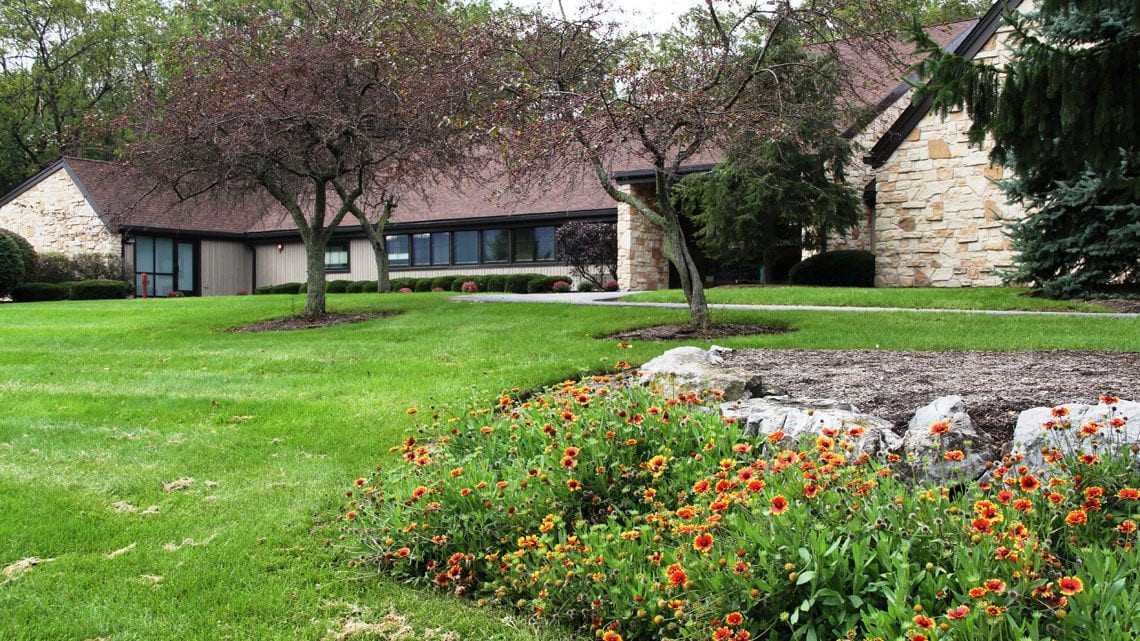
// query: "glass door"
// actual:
[[168, 266]]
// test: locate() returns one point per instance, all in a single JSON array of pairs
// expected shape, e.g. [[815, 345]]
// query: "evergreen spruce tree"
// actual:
[[1063, 116]]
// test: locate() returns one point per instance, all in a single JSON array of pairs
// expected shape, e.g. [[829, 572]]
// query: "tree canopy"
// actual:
[[1063, 116], [327, 111], [580, 91]]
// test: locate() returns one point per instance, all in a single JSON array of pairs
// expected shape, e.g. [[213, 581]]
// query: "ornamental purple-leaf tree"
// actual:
[[580, 91], [328, 110]]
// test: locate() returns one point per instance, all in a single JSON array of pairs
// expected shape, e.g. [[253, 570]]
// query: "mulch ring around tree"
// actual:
[[688, 332], [310, 322]]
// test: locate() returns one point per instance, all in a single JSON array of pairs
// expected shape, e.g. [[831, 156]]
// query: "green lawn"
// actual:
[[993, 298], [104, 402]]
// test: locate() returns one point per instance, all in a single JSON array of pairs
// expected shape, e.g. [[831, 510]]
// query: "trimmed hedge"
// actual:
[[495, 283], [400, 283], [100, 289], [518, 283], [337, 286], [457, 284], [443, 282], [544, 284], [356, 286], [36, 292], [585, 286], [422, 285], [842, 268], [283, 288]]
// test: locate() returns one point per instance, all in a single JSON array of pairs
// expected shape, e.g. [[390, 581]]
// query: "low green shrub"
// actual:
[[518, 283], [356, 286], [423, 285], [442, 282], [585, 286], [544, 284], [369, 286], [35, 292], [842, 268], [402, 283], [636, 515], [289, 288], [11, 265], [337, 286], [100, 289], [495, 283], [264, 289]]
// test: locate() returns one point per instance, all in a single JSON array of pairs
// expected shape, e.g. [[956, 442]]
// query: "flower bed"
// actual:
[[636, 515]]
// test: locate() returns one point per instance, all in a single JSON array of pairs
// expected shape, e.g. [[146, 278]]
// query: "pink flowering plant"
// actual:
[[637, 513]]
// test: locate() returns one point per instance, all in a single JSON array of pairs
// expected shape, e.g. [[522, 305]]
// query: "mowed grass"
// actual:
[[988, 298], [104, 402]]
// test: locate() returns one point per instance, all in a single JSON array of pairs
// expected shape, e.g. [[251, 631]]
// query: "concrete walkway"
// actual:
[[613, 299]]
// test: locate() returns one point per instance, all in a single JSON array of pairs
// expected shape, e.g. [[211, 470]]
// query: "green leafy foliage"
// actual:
[[34, 292], [99, 289], [11, 265], [1062, 116], [636, 513], [31, 258], [774, 190]]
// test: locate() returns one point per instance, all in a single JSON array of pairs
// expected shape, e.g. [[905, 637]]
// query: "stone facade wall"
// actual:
[[642, 264], [55, 217], [940, 217]]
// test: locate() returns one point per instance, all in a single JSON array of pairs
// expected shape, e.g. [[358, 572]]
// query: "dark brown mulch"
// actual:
[[310, 322], [688, 332], [1120, 305], [996, 386]]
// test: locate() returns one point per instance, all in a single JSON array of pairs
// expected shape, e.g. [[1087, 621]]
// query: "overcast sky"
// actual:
[[647, 15]]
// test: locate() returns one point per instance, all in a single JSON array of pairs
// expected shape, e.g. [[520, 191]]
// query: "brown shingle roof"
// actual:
[[128, 200]]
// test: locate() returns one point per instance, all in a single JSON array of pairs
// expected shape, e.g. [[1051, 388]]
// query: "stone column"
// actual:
[[641, 256]]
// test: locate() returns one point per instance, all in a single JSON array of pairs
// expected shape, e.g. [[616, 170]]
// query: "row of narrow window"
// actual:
[[437, 249]]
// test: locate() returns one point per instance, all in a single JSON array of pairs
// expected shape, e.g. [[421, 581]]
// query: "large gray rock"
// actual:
[[1030, 436], [807, 417], [692, 369], [924, 451]]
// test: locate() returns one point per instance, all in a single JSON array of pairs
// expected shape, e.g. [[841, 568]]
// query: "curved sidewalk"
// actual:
[[613, 299]]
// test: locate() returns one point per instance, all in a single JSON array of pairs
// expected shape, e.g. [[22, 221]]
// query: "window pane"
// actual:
[[144, 255], [440, 248], [336, 257], [496, 246], [544, 243], [186, 266], [524, 245], [164, 256], [421, 249], [397, 250], [163, 285], [466, 247]]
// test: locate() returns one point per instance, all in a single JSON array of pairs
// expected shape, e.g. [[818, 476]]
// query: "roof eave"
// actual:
[[966, 45]]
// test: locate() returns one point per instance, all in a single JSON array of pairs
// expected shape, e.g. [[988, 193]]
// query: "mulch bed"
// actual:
[[688, 332], [310, 322], [996, 386]]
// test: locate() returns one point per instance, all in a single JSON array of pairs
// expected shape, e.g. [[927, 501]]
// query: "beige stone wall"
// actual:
[[641, 247], [940, 217], [55, 217]]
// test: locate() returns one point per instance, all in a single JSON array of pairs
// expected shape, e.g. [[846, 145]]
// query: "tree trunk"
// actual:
[[383, 281], [677, 251], [315, 258]]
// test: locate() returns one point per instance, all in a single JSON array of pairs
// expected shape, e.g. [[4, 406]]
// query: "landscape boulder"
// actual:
[[692, 369], [940, 427], [798, 418], [1060, 428]]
